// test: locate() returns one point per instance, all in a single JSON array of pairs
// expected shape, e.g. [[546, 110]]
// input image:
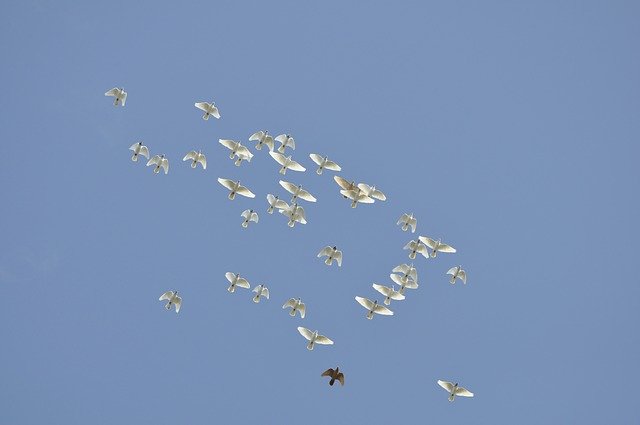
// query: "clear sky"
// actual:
[[510, 129]]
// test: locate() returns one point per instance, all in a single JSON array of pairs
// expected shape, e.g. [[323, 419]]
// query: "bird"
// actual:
[[196, 157], [261, 291], [297, 192], [119, 94], [235, 187], [249, 215], [139, 149], [417, 247], [286, 142], [345, 184], [457, 272], [209, 110], [295, 213], [335, 375], [243, 156], [389, 292], [296, 304], [407, 271], [263, 138], [357, 196], [236, 280], [454, 390], [274, 202], [372, 192], [406, 283], [286, 162], [332, 253], [159, 161], [408, 220], [236, 148], [373, 307], [313, 338], [173, 299], [436, 246], [324, 163]]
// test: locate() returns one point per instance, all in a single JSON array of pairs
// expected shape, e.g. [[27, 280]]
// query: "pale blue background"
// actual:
[[509, 128]]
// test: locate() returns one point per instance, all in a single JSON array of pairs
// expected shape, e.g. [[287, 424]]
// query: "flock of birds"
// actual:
[[405, 276]]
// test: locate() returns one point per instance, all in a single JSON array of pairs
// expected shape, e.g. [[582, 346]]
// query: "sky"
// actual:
[[510, 130]]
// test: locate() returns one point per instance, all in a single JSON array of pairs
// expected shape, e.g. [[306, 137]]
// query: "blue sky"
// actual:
[[510, 129]]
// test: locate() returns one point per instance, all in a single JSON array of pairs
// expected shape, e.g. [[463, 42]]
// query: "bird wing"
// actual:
[[411, 284], [165, 165], [293, 165], [463, 276], [463, 392], [404, 218], [452, 270], [154, 160], [330, 165], [265, 292], [245, 192], [280, 159], [112, 92], [243, 283], [229, 184], [230, 276], [291, 303], [402, 268], [327, 250], [302, 309], [144, 151], [281, 138], [254, 217], [257, 136], [306, 196], [257, 289], [178, 303], [271, 199], [340, 378], [328, 372], [396, 279], [363, 199], [321, 339], [166, 296], [305, 333], [443, 247], [365, 188], [365, 302], [242, 151], [316, 158], [229, 144], [395, 295], [380, 309], [124, 97], [245, 214], [351, 194], [413, 223], [214, 111], [428, 242], [342, 182], [376, 194], [192, 155], [289, 187], [134, 146], [292, 143], [446, 385], [269, 142], [281, 205], [338, 258], [384, 290], [202, 105], [410, 245]]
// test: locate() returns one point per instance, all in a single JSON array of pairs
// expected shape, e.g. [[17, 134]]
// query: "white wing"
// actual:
[[229, 184], [338, 258], [376, 194], [293, 165], [265, 292], [203, 160], [346, 185], [404, 218], [384, 290], [413, 222], [452, 271], [245, 214], [230, 276], [446, 385], [365, 302], [229, 144], [258, 289], [291, 303], [463, 276], [428, 242], [301, 309], [330, 165], [306, 196], [257, 136], [245, 192], [166, 296], [443, 247], [243, 283], [463, 392], [204, 106], [280, 159], [165, 165], [321, 339], [305, 333], [144, 151], [365, 188], [154, 160], [244, 153], [124, 97], [280, 204], [289, 187], [281, 138], [327, 250], [380, 309], [254, 217], [134, 147], [113, 92], [192, 155], [178, 303], [215, 112], [316, 158]]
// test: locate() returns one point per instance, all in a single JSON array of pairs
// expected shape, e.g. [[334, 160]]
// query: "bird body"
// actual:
[[332, 253], [406, 271], [119, 94], [416, 247], [139, 149], [406, 283], [454, 390], [436, 246], [296, 304], [457, 272], [357, 196], [160, 162], [209, 110], [295, 213], [297, 191], [324, 163], [408, 220], [196, 158], [249, 215], [373, 307], [335, 375], [235, 187], [372, 192], [173, 299], [261, 291], [274, 202], [286, 142], [236, 280], [313, 338], [389, 292], [263, 138]]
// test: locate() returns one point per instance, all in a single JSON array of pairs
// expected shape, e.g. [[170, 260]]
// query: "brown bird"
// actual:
[[334, 374]]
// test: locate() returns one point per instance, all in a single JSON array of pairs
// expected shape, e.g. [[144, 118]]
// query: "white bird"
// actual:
[[236, 280], [119, 94], [372, 192], [296, 304], [454, 390], [235, 187], [389, 292], [313, 338], [357, 196], [345, 184], [236, 148], [286, 141], [173, 299], [196, 157], [274, 202], [408, 220], [457, 272], [249, 215], [403, 283], [295, 213], [297, 192], [139, 149], [209, 110], [406, 271], [243, 156], [417, 247], [263, 138], [436, 246], [159, 161], [286, 162], [324, 163], [332, 253], [373, 307], [261, 291]]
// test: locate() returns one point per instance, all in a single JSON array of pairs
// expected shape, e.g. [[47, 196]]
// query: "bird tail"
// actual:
[[259, 146], [231, 288], [168, 306], [244, 224], [193, 164], [354, 204], [205, 116], [328, 261], [332, 381], [412, 255], [291, 223], [256, 299], [270, 210], [115, 102], [281, 149], [292, 312], [451, 396], [434, 253], [134, 158], [401, 291], [232, 195], [283, 170], [370, 315], [452, 280], [387, 301], [319, 170], [310, 346], [238, 162], [156, 170], [405, 226]]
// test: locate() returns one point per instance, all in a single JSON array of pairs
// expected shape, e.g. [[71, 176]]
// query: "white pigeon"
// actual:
[[389, 292], [457, 272], [243, 156], [372, 192], [416, 247], [357, 197], [436, 246], [297, 192], [159, 161], [196, 157], [296, 304], [408, 220], [274, 202], [263, 138], [173, 299], [286, 162], [454, 390], [139, 149], [403, 283], [295, 213], [235, 187], [261, 291], [236, 148], [209, 110], [332, 253], [249, 215], [236, 280], [286, 142], [345, 184], [313, 338], [406, 271], [373, 307], [119, 94], [324, 163]]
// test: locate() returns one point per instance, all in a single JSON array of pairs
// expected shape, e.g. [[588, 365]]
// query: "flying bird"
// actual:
[[119, 94], [417, 247], [335, 375], [313, 338], [296, 304], [195, 158], [235, 187], [286, 162], [436, 246], [372, 192], [209, 110], [173, 299], [457, 272], [249, 215], [295, 213], [324, 163], [261, 291], [406, 283], [236, 148], [297, 192], [243, 156], [407, 271], [454, 390], [286, 141], [373, 307], [236, 280], [357, 196], [263, 138], [159, 161], [389, 292], [408, 220], [139, 149], [274, 202], [332, 253], [345, 184]]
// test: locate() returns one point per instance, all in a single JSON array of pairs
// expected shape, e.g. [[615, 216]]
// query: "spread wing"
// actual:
[[230, 276], [328, 372], [306, 196], [318, 160], [134, 146], [404, 218], [428, 242], [281, 205], [281, 138], [265, 292], [289, 187], [380, 309], [321, 339], [340, 378], [204, 106], [144, 151], [411, 245], [257, 136], [463, 276], [344, 184], [192, 155], [112, 92], [365, 188], [229, 184], [443, 247], [365, 302], [280, 159], [327, 250], [245, 214], [124, 98], [243, 152], [446, 385], [203, 160], [257, 289], [338, 258], [376, 194], [463, 392], [293, 165], [165, 165], [413, 223], [305, 333], [254, 217], [243, 283], [178, 303], [384, 290], [215, 112], [330, 165], [291, 303], [229, 144], [245, 192], [154, 160], [452, 271], [302, 309], [166, 296]]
